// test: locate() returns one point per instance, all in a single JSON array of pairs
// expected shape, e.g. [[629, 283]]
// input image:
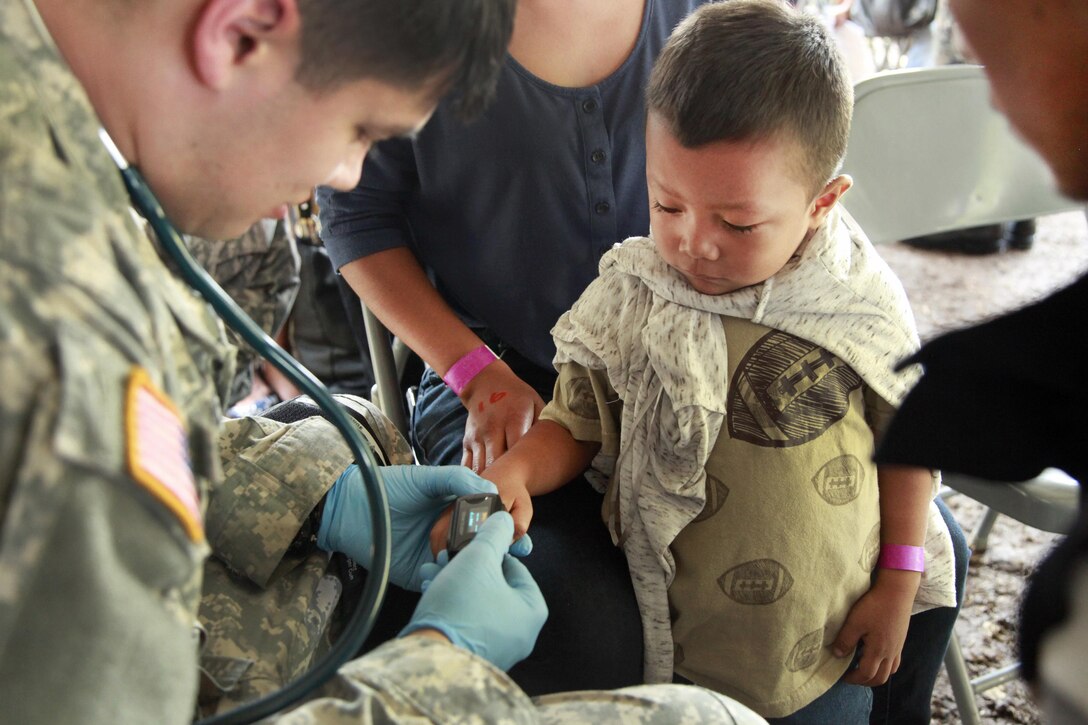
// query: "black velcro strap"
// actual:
[[303, 407]]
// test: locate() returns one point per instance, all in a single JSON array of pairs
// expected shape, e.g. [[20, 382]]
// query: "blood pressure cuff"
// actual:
[[378, 431], [386, 443]]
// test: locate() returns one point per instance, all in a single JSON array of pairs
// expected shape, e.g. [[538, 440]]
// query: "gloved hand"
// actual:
[[484, 600], [417, 496]]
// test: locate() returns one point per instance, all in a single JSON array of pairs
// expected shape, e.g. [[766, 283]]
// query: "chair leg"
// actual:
[[980, 538], [386, 394], [960, 681]]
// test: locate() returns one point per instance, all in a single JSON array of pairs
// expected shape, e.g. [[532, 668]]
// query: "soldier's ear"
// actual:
[[233, 36]]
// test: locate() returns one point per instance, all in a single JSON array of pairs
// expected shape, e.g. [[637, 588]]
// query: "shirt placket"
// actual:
[[600, 189]]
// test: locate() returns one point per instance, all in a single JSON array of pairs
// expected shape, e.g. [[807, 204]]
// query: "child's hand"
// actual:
[[515, 497], [441, 530], [879, 620]]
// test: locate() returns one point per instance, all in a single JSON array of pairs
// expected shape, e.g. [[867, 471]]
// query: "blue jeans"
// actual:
[[843, 704], [593, 636], [905, 699]]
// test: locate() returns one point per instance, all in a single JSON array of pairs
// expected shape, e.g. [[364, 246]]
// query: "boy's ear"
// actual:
[[827, 198], [230, 35]]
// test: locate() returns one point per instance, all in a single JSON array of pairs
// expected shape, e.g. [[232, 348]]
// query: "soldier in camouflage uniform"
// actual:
[[260, 271], [118, 477]]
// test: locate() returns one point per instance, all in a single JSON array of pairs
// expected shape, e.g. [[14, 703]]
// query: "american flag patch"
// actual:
[[158, 451]]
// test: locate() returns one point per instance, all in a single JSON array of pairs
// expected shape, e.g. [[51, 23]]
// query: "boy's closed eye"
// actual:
[[739, 228]]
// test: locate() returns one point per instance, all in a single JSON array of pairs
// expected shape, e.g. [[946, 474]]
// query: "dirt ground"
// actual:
[[949, 291]]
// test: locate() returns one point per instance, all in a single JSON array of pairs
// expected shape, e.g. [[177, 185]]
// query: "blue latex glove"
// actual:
[[520, 548], [417, 496], [484, 600]]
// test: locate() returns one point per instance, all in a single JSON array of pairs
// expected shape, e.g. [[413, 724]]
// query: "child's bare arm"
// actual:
[[880, 618], [544, 459]]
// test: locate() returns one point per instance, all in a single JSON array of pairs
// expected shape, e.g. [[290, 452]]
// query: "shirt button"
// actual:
[[589, 105], [598, 156], [602, 207]]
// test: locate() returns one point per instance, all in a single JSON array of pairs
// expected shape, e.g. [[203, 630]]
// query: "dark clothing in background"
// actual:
[[1003, 401]]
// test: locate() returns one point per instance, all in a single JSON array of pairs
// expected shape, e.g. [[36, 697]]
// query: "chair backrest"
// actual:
[[928, 153]]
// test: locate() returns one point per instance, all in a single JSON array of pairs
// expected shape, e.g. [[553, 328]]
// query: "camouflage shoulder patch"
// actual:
[[157, 451]]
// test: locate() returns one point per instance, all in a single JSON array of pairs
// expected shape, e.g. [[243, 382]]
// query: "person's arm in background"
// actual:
[[367, 236], [260, 271]]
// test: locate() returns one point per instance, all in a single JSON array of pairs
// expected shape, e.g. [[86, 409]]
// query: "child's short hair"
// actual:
[[753, 69]]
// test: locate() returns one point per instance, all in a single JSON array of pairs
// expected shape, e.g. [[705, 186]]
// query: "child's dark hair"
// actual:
[[755, 69]]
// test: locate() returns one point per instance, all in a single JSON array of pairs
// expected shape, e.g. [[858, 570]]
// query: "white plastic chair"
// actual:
[[929, 154]]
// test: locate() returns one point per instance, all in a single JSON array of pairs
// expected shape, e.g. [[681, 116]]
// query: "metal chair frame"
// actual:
[[388, 357]]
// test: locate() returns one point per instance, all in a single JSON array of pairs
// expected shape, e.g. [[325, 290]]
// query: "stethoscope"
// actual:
[[362, 620]]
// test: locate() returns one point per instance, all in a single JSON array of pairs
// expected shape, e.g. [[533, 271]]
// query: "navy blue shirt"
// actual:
[[510, 213]]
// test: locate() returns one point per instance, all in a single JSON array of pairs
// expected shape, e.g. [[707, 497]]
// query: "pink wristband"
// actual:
[[907, 558], [464, 370]]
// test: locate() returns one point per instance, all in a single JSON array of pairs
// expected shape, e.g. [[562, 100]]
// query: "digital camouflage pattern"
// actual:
[[86, 552], [260, 271], [100, 575], [259, 638], [468, 690]]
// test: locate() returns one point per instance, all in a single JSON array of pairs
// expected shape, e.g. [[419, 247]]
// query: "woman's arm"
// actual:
[[501, 407]]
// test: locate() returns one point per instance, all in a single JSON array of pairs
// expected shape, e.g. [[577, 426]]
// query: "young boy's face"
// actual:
[[728, 214]]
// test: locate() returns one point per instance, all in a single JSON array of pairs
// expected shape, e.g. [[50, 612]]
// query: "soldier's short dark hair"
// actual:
[[754, 69], [457, 45]]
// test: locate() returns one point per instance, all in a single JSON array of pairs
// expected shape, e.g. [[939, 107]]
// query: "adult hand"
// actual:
[[879, 619], [417, 496], [484, 600], [501, 408]]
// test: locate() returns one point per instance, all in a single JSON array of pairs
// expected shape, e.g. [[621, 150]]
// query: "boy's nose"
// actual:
[[698, 242]]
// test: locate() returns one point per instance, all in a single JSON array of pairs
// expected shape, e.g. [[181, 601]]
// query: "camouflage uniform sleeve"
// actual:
[[98, 578], [417, 680], [646, 705], [274, 476]]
